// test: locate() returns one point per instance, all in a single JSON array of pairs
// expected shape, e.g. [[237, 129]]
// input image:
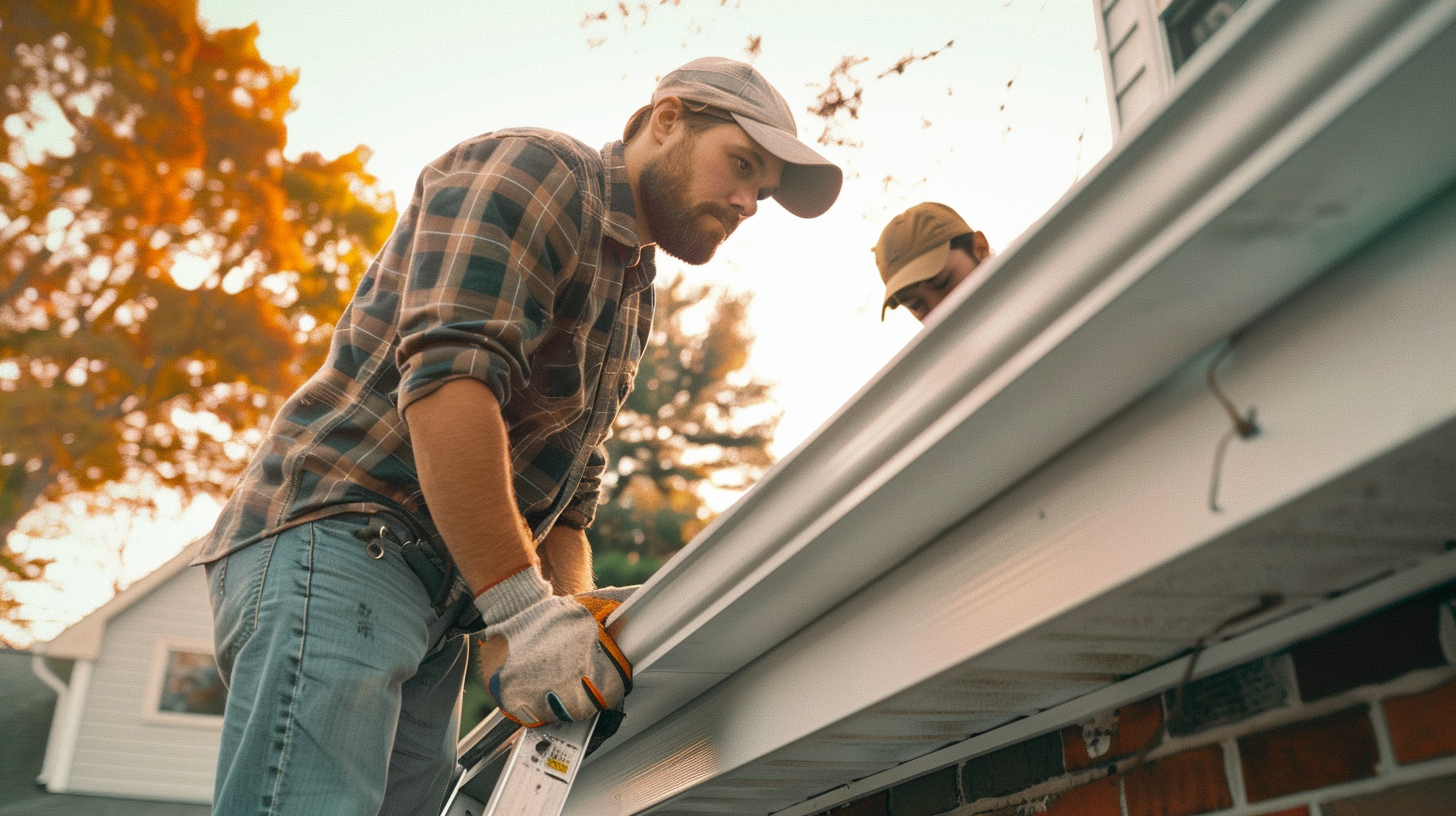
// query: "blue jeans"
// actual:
[[343, 682]]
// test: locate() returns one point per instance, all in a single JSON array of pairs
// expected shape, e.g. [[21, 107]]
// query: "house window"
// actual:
[[1191, 23], [186, 686]]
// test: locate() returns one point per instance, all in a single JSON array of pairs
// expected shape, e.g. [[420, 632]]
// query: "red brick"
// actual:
[[1429, 797], [1179, 785], [926, 795], [1138, 725], [1302, 810], [877, 805], [1100, 798], [1303, 756], [1013, 769], [1388, 644], [1423, 725], [1074, 750]]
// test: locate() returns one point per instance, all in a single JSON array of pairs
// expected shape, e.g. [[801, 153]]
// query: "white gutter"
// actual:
[[1105, 562], [42, 671], [60, 752], [1103, 298]]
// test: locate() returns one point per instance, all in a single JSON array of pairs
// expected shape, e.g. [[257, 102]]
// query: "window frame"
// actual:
[[1180, 13], [157, 674]]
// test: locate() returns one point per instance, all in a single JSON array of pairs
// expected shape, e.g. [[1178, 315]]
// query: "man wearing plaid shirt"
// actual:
[[436, 476]]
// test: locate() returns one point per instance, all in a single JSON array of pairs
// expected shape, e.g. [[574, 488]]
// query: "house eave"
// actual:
[[1116, 272], [82, 640], [1311, 136]]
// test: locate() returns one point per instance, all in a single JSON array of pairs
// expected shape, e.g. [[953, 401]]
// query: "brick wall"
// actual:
[[1357, 722]]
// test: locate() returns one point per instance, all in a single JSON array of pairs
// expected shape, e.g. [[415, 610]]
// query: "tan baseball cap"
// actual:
[[916, 245], [811, 182]]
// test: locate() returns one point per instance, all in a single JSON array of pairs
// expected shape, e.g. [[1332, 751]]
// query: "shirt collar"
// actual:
[[621, 211]]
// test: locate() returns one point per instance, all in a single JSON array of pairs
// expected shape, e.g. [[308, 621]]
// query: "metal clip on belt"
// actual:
[[436, 581]]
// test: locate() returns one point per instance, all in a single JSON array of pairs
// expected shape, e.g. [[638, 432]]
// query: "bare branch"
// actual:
[[840, 100], [905, 62]]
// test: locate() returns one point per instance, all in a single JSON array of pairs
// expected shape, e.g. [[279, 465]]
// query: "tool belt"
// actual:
[[382, 529]]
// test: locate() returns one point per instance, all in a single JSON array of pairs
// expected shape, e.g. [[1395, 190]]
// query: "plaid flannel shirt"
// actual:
[[517, 263]]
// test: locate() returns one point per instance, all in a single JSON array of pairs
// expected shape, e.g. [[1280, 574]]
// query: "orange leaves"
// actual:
[[174, 164]]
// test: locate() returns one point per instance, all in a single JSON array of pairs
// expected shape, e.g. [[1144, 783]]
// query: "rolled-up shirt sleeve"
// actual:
[[495, 236]]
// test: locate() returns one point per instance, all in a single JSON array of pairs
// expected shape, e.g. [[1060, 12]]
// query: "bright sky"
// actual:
[[998, 126]]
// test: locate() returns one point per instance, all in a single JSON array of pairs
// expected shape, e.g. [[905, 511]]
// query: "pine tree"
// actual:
[[695, 421]]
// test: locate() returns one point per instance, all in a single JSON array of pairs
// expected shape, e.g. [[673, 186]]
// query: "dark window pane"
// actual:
[[1191, 24], [192, 685]]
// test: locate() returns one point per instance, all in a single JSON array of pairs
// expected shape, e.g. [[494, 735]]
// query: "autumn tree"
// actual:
[[696, 420], [166, 273]]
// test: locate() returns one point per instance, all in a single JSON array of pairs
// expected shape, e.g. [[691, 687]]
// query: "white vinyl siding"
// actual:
[[1139, 94], [1138, 70], [1122, 18], [122, 748]]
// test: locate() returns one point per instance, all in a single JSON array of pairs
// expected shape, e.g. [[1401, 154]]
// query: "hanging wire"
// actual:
[[1265, 603], [1244, 427]]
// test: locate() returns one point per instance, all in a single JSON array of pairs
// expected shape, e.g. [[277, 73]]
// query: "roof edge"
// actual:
[[82, 639]]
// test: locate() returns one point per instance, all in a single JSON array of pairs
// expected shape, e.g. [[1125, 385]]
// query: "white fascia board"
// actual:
[[1350, 370], [1227, 654], [1311, 135]]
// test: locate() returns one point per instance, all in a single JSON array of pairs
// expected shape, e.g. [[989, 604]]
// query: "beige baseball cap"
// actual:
[[916, 245], [811, 182]]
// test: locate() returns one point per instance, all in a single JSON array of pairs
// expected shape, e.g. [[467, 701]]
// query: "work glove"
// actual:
[[560, 663], [616, 595]]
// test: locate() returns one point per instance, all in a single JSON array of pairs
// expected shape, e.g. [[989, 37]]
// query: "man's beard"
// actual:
[[677, 226]]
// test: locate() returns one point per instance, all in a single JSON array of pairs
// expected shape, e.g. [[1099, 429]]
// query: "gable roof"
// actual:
[[82, 640]]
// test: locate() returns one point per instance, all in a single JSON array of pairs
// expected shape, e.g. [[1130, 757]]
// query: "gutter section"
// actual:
[[60, 753], [1318, 128], [982, 633]]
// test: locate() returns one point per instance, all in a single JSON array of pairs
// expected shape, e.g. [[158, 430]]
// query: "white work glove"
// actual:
[[560, 663]]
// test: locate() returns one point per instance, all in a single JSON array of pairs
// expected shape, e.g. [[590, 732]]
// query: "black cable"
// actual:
[[1244, 427]]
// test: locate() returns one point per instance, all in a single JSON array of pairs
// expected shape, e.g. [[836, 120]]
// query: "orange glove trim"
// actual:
[[600, 608], [507, 715], [596, 695]]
